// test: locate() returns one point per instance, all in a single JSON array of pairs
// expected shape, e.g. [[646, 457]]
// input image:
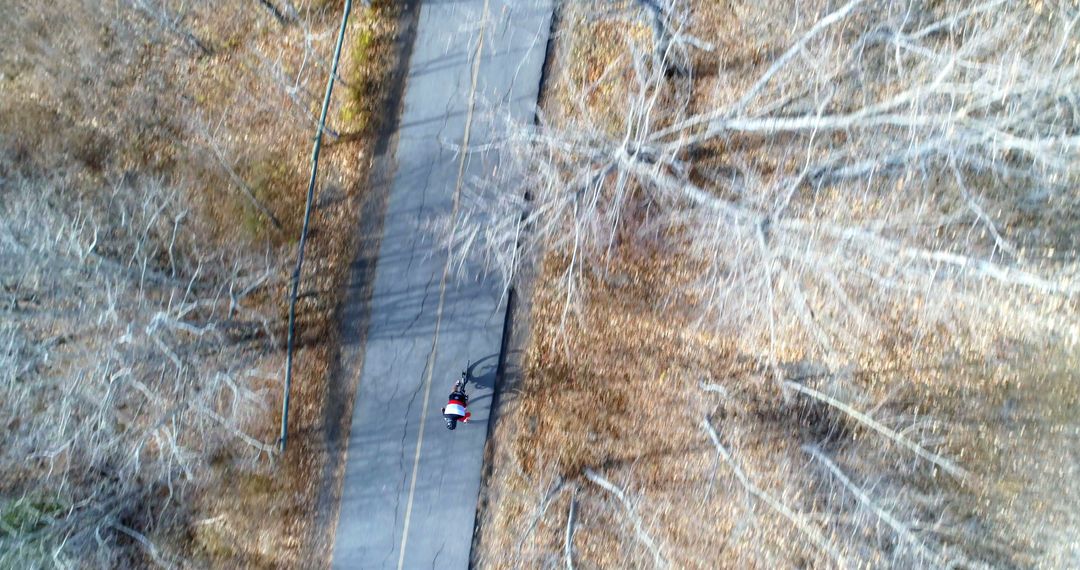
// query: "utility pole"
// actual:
[[304, 231]]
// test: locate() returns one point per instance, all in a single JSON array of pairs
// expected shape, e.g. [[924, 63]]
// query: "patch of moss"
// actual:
[[369, 47], [28, 515], [275, 184]]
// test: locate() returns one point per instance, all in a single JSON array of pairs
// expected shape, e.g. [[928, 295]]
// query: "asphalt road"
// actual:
[[411, 486]]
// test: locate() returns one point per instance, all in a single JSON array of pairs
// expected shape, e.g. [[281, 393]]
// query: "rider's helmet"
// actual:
[[450, 423]]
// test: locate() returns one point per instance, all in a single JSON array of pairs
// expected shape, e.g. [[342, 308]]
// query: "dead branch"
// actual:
[[145, 542], [280, 16], [216, 151], [159, 13], [556, 489], [795, 48], [901, 529], [941, 462], [783, 510], [639, 529], [568, 541]]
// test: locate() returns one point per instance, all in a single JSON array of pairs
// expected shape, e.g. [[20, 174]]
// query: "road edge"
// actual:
[[517, 327]]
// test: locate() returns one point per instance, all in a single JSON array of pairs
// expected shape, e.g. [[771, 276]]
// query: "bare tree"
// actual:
[[141, 187], [835, 197], [898, 172], [128, 351]]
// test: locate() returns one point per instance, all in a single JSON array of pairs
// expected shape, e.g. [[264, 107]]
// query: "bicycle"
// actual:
[[459, 388]]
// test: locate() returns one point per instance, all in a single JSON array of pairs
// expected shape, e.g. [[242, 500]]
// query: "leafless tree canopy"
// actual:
[[126, 355], [133, 331], [895, 185], [896, 158]]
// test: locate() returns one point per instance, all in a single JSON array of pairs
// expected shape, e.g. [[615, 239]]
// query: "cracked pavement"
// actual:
[[411, 486]]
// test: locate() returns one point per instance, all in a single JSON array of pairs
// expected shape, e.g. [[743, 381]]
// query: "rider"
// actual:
[[456, 409]]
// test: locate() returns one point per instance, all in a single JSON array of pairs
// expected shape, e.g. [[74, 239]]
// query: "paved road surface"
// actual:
[[411, 486]]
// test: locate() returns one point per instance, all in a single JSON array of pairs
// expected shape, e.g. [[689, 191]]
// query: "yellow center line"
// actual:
[[430, 367]]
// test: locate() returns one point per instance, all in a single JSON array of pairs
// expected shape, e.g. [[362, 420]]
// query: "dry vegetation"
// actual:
[[809, 290], [153, 160]]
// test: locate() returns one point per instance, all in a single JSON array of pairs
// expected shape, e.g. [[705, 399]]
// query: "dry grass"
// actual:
[[621, 386]]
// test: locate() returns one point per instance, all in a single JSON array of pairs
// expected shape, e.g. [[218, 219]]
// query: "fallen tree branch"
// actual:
[[239, 182], [280, 16], [568, 543], [795, 518], [898, 527], [145, 542], [714, 388], [639, 529], [790, 53], [545, 502], [941, 462]]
